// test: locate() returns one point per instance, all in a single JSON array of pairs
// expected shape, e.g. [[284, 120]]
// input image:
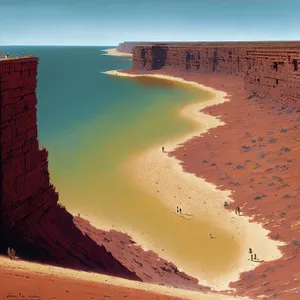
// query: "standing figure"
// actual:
[[163, 149], [237, 210]]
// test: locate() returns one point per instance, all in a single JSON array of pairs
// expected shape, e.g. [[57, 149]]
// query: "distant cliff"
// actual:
[[126, 47], [267, 68]]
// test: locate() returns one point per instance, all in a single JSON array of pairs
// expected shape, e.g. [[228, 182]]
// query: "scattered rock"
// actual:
[[286, 196], [261, 154], [282, 215], [272, 141]]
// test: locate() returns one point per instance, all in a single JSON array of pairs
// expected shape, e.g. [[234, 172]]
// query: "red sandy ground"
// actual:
[[262, 139], [49, 287]]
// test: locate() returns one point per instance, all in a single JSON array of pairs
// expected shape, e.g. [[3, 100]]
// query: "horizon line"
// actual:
[[166, 41]]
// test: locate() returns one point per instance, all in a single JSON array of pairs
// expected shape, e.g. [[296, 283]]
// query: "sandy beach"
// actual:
[[154, 170], [115, 52], [65, 284]]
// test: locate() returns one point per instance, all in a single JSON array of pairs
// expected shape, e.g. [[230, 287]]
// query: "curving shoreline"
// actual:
[[148, 166]]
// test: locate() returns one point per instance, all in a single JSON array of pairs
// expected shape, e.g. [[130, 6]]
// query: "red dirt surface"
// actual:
[[255, 155], [50, 287]]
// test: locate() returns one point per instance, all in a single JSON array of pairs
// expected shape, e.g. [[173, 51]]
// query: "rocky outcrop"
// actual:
[[31, 220], [267, 68], [26, 192]]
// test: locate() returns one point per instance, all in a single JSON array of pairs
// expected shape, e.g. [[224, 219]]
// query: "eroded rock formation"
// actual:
[[267, 68], [31, 220]]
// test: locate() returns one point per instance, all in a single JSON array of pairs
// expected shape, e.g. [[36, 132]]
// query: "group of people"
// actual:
[[11, 252], [237, 209], [178, 210], [252, 255]]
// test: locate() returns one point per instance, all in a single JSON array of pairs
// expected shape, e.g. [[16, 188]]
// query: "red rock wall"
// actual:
[[26, 192], [271, 68], [30, 219]]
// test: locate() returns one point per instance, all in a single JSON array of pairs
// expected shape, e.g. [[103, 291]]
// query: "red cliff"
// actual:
[[31, 220], [267, 68]]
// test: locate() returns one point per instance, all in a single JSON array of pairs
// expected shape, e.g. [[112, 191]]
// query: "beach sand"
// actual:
[[115, 52], [154, 170], [47, 282]]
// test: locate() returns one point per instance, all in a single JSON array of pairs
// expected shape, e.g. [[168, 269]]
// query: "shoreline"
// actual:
[[115, 52], [154, 164]]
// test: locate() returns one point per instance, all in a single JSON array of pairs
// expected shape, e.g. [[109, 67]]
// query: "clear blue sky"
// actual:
[[108, 22]]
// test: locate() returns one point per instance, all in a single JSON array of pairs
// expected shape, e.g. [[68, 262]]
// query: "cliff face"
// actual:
[[31, 220], [271, 69], [26, 192]]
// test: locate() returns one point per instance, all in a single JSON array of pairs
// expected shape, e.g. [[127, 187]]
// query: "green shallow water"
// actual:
[[91, 123]]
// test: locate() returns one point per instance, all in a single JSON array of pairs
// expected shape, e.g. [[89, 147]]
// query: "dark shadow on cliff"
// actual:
[[56, 240]]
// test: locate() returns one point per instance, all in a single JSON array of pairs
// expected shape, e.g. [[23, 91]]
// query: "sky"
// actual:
[[109, 22]]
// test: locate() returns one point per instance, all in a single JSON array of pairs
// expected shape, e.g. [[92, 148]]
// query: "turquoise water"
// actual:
[[91, 123]]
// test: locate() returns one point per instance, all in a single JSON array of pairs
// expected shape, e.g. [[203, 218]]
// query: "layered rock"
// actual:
[[267, 68], [31, 220], [26, 192]]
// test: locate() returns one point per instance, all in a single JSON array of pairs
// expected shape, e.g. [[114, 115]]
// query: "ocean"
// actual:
[[91, 123]]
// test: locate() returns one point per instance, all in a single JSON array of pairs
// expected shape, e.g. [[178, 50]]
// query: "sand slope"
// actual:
[[62, 284]]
